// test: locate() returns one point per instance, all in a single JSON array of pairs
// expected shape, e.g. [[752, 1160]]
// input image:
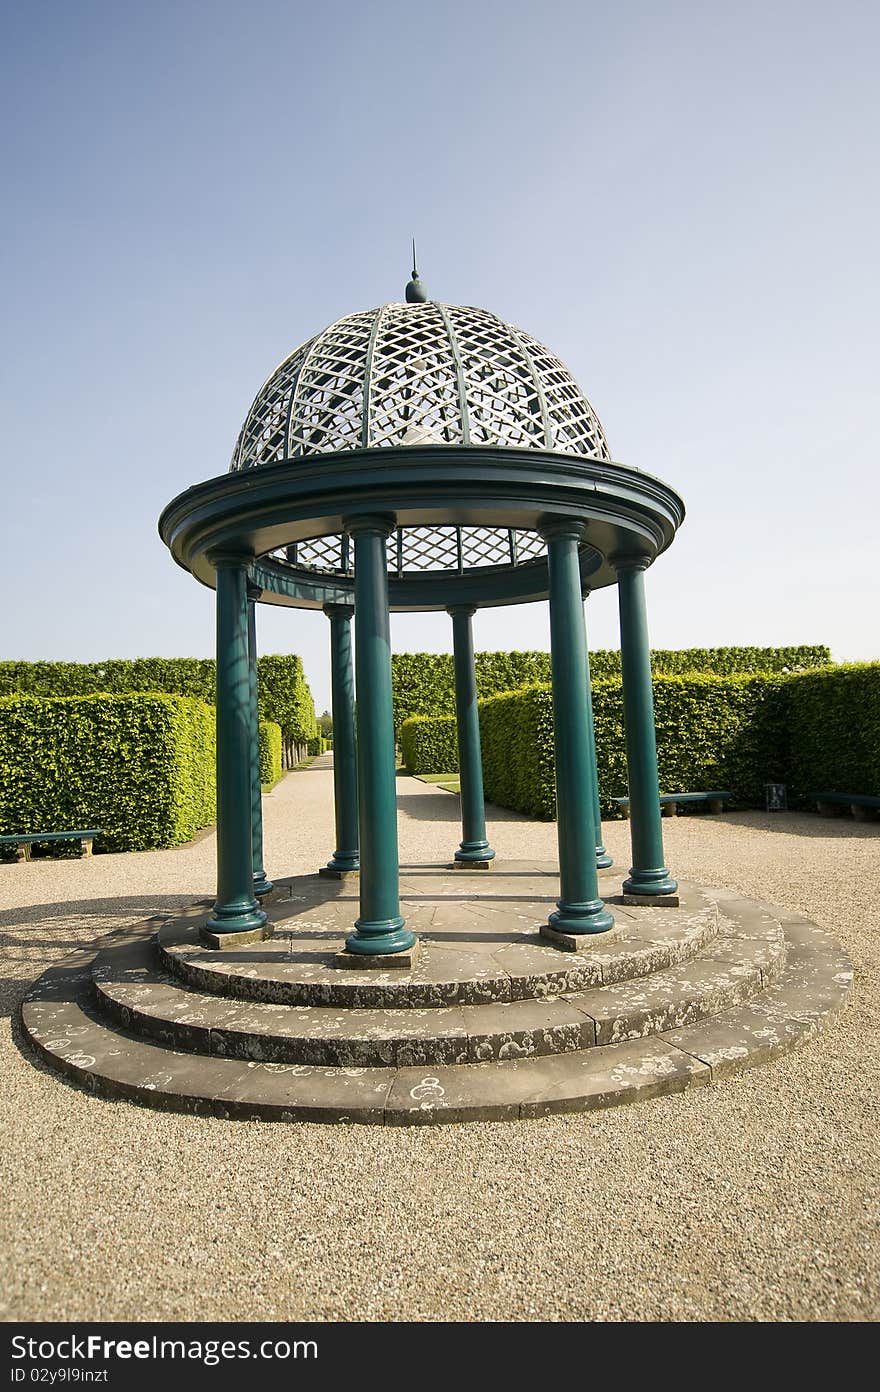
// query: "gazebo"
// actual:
[[424, 456]]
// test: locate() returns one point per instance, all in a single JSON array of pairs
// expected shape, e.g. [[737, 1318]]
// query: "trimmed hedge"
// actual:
[[712, 732], [284, 693], [285, 698], [270, 753], [833, 722], [141, 766], [516, 733], [424, 683], [429, 744]]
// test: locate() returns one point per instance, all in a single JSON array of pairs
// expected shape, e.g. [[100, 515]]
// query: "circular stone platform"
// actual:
[[491, 1022]]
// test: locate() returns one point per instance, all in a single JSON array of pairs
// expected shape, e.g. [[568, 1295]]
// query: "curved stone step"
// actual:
[[137, 996], [474, 950], [59, 1021]]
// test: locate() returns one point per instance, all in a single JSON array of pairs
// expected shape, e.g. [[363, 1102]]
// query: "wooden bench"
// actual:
[[23, 843], [861, 805], [669, 801]]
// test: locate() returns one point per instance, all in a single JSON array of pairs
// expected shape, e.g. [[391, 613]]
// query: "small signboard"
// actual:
[[775, 799]]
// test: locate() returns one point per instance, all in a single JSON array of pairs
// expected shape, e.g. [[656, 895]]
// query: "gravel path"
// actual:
[[754, 1199]]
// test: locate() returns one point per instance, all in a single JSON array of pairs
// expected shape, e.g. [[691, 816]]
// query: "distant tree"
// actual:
[[325, 724]]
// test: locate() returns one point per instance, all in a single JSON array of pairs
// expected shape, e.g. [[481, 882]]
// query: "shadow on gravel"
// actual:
[[444, 808], [800, 825]]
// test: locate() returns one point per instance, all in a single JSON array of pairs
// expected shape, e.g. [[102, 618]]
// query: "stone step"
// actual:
[[474, 950], [59, 1019], [731, 968]]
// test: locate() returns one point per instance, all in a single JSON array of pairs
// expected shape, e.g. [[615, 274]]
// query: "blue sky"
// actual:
[[681, 199]]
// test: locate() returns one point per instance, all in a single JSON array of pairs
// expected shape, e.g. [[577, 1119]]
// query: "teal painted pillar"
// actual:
[[603, 859], [236, 909], [474, 849], [648, 874], [580, 910], [262, 883], [380, 929], [345, 785]]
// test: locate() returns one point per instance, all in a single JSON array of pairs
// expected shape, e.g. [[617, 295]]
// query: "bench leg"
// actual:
[[86, 844], [716, 805], [22, 853], [669, 809]]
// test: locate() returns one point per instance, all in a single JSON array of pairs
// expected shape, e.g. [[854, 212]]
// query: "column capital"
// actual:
[[254, 591], [370, 524], [339, 611], [229, 559], [562, 528], [624, 564], [467, 610]]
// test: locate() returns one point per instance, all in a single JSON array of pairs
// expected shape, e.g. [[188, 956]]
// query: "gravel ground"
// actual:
[[756, 1199]]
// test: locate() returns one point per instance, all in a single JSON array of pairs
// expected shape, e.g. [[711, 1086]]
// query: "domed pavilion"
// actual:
[[424, 456]]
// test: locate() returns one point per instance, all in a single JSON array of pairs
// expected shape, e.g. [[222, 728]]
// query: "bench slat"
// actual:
[[847, 799], [32, 836], [719, 796]]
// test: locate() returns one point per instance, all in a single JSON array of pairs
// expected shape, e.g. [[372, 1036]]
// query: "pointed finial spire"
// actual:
[[415, 290]]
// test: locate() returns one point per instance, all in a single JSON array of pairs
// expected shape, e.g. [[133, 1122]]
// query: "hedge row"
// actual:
[[516, 732], [429, 744], [737, 732], [270, 753], [424, 683], [139, 766], [284, 694], [832, 725]]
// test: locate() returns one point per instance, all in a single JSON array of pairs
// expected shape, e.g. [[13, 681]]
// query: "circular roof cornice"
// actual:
[[625, 512]]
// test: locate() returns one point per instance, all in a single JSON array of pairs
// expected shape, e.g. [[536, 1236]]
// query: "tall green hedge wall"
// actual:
[[429, 744], [424, 683], [284, 693], [270, 753], [810, 730], [832, 723], [141, 766]]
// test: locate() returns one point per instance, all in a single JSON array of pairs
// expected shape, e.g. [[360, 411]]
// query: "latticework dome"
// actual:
[[418, 374]]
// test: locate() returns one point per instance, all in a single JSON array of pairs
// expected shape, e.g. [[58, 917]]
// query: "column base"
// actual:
[[381, 961], [223, 942], [472, 865], [245, 916], [262, 885], [474, 855], [649, 883], [603, 859], [380, 937], [576, 942], [341, 863], [590, 917]]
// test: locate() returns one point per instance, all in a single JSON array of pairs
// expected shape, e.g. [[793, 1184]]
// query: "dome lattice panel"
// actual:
[[423, 550], [416, 374]]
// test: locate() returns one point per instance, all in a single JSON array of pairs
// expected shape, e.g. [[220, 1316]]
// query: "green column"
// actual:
[[474, 849], [236, 909], [345, 786], [380, 927], [648, 874], [603, 859], [262, 883], [580, 910]]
